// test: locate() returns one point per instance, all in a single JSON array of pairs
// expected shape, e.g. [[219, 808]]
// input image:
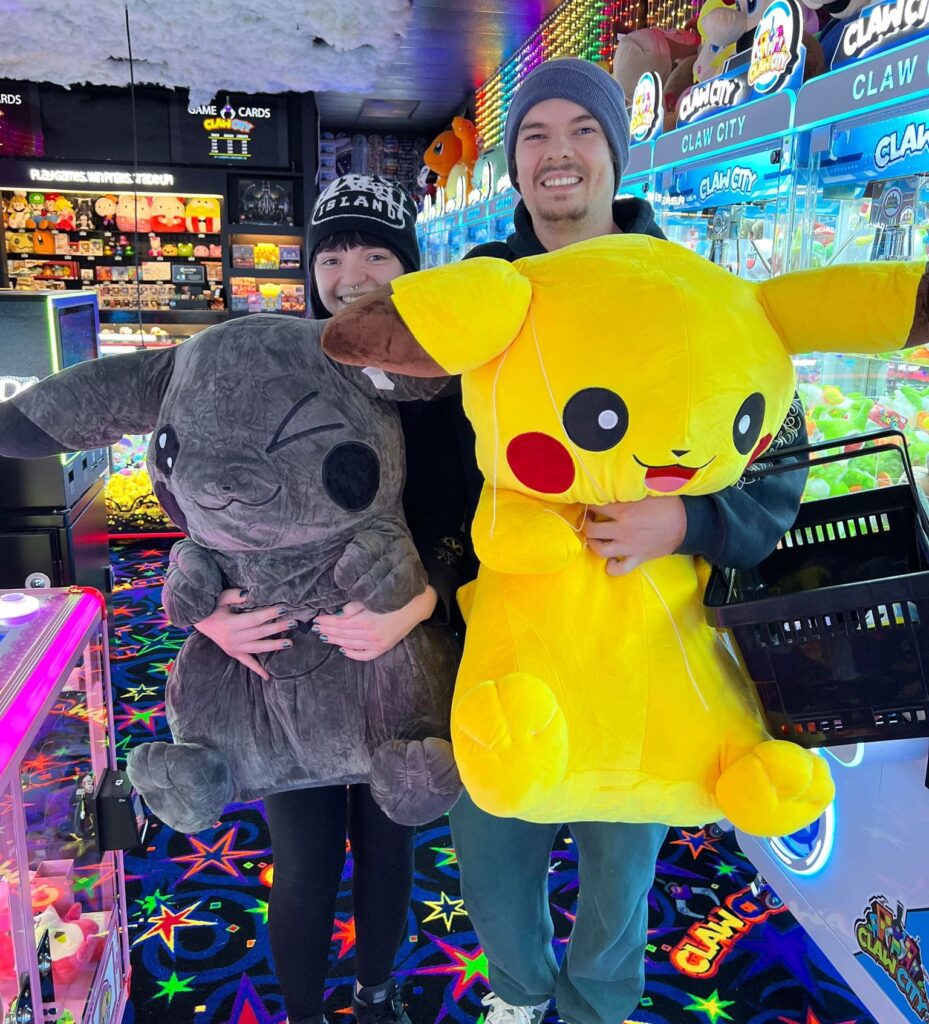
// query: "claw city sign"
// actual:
[[880, 27], [647, 116], [775, 62]]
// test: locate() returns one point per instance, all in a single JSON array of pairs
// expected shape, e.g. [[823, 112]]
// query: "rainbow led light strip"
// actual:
[[578, 28]]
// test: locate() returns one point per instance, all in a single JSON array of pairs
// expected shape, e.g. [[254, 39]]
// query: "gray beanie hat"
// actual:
[[583, 83]]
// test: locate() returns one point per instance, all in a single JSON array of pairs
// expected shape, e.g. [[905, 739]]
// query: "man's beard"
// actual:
[[561, 216]]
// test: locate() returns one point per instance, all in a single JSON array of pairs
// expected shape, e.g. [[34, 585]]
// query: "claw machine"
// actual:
[[864, 197], [724, 177], [64, 953], [857, 879], [132, 510], [725, 186]]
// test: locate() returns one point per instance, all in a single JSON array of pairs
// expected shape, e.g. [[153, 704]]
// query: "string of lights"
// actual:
[[578, 28]]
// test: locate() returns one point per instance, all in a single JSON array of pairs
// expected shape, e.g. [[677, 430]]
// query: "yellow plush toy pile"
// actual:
[[607, 371]]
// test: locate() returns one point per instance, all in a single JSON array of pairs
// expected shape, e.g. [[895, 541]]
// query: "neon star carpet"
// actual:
[[198, 905]]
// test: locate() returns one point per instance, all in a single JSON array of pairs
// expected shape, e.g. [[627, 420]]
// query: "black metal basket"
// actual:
[[833, 627]]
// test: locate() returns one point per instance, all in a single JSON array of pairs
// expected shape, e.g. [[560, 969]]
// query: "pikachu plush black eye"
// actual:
[[748, 423], [596, 419], [167, 447]]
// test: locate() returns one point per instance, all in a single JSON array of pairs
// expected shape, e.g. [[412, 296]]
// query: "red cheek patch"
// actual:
[[540, 463], [761, 447]]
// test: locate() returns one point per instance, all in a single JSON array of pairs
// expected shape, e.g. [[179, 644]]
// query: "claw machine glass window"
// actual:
[[865, 198], [734, 211], [63, 945], [131, 505]]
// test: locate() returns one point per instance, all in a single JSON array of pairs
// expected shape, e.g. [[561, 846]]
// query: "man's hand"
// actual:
[[242, 635], [363, 636], [630, 533]]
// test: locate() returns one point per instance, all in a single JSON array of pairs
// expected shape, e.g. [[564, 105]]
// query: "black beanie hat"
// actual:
[[370, 205]]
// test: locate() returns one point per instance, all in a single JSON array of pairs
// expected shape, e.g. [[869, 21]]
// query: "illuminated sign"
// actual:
[[647, 108], [56, 176], [232, 129], [881, 27], [20, 124], [10, 387], [776, 62], [895, 146], [740, 180], [775, 48]]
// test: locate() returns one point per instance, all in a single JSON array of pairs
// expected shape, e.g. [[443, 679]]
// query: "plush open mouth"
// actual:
[[668, 479]]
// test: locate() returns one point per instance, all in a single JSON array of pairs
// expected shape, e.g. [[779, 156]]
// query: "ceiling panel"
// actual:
[[452, 46]]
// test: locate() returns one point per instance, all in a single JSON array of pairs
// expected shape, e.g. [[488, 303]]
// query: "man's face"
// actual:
[[564, 166]]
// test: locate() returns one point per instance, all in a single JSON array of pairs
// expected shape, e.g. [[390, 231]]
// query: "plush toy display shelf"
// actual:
[[833, 627]]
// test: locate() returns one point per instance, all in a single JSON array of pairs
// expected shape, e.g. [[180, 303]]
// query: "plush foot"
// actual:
[[413, 781], [511, 743], [187, 785], [775, 789]]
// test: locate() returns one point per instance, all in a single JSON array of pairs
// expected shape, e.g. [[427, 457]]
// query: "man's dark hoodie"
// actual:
[[737, 527]]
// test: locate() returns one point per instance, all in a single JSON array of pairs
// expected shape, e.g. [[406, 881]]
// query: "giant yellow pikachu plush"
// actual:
[[607, 371]]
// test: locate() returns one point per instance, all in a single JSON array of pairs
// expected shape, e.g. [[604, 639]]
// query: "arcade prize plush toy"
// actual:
[[286, 472], [453, 154], [584, 696]]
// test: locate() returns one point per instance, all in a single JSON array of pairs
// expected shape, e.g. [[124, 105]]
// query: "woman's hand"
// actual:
[[363, 636], [242, 635]]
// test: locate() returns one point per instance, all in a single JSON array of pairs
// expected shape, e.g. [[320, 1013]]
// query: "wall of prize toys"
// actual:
[[89, 240], [397, 157]]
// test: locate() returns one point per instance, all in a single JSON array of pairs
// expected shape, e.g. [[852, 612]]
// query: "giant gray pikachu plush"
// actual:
[[286, 472]]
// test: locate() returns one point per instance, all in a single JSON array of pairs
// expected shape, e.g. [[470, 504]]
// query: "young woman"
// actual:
[[361, 236]]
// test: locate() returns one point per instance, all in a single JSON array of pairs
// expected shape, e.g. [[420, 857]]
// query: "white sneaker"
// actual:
[[499, 1011]]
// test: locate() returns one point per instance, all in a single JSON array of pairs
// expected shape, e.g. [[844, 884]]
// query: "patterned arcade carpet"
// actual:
[[198, 905]]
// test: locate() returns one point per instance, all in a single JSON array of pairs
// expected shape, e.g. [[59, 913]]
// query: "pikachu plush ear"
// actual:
[[867, 308], [443, 321], [89, 405]]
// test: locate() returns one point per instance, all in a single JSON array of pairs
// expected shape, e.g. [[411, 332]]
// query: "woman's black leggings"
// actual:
[[308, 828]]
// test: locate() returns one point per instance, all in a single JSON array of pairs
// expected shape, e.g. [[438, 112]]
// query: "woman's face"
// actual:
[[343, 275]]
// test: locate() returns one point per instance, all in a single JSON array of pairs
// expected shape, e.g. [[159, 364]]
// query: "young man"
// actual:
[[567, 141]]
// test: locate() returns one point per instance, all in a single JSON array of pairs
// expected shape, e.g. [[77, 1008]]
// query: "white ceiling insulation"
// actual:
[[206, 46]]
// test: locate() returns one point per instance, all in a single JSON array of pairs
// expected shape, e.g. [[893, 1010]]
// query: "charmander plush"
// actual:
[[286, 473], [581, 695]]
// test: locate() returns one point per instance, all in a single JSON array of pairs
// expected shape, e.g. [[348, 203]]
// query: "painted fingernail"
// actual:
[[314, 628], [243, 593], [324, 638], [339, 612], [292, 624], [287, 643], [341, 650], [282, 611]]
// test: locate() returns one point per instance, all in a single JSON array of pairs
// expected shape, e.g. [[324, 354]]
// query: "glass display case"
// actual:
[[64, 954]]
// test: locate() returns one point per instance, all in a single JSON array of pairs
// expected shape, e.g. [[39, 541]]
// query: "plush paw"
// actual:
[[187, 785], [775, 789], [511, 743], [413, 781]]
